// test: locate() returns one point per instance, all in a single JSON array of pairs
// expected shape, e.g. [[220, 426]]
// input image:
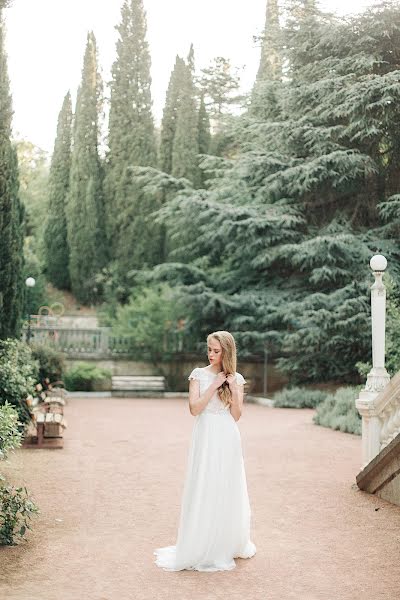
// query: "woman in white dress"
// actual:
[[214, 525]]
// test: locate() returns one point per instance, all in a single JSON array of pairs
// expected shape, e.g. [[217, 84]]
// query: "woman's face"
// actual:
[[214, 352]]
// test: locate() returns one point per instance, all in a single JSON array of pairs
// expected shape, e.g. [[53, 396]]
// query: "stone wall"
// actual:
[[177, 372]]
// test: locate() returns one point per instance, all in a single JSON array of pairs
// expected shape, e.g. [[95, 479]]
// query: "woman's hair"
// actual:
[[228, 361]]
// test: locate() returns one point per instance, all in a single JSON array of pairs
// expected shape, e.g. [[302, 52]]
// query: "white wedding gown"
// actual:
[[214, 525]]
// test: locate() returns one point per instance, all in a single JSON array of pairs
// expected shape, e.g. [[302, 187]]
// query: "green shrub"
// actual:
[[51, 362], [18, 376], [10, 436], [83, 377], [16, 509], [338, 411], [298, 397]]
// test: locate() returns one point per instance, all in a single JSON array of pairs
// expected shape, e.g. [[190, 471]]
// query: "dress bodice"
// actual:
[[205, 377]]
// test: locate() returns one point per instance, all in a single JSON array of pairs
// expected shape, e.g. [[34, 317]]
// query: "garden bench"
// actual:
[[137, 385], [50, 423]]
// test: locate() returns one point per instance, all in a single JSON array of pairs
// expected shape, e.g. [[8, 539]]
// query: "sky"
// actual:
[[45, 42]]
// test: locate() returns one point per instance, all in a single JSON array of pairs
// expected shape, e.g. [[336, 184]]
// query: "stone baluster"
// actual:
[[378, 377]]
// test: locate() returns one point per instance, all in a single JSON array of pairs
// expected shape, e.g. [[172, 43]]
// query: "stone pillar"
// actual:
[[378, 377]]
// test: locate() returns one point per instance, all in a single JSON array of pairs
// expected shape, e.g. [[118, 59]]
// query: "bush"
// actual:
[[16, 509], [10, 437], [338, 411], [51, 362], [298, 397], [83, 377], [18, 375]]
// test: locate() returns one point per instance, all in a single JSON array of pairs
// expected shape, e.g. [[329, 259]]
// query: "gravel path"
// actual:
[[112, 496]]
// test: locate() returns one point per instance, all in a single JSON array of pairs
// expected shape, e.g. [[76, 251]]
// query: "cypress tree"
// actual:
[[85, 210], [11, 213], [270, 67], [185, 146], [203, 128], [204, 135], [56, 251], [266, 89], [168, 124], [131, 127]]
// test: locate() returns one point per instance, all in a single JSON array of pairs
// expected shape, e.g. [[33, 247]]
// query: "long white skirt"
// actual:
[[214, 525]]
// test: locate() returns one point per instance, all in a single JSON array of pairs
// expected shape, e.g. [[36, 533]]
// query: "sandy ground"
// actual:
[[112, 496]]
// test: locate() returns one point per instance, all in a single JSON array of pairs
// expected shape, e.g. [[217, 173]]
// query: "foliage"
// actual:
[[16, 510], [219, 83], [131, 136], [34, 296], [33, 180], [55, 234], [170, 113], [338, 411], [18, 375], [149, 321], [185, 147], [85, 203], [12, 214], [51, 362], [10, 436], [84, 376], [276, 249], [298, 397]]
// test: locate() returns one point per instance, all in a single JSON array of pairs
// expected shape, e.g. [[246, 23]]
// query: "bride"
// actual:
[[214, 525]]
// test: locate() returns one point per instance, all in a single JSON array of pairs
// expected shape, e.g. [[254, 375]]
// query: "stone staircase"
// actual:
[[380, 474]]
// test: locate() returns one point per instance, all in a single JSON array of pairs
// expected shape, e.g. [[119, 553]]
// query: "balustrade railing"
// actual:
[[94, 342]]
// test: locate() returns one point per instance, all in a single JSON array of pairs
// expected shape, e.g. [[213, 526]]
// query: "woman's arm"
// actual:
[[198, 402], [237, 397]]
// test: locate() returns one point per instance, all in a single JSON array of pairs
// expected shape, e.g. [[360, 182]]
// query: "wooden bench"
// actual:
[[49, 422], [138, 385]]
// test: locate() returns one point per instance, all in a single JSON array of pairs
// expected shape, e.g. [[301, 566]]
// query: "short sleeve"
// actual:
[[195, 374], [240, 379]]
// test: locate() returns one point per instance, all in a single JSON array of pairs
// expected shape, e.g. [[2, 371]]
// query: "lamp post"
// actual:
[[30, 283], [265, 369]]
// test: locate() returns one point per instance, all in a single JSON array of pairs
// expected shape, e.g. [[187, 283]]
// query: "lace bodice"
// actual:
[[205, 377]]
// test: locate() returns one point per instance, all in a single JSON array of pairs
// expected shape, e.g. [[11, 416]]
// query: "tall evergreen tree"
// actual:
[[203, 127], [296, 213], [168, 124], [131, 127], [270, 67], [56, 250], [204, 135], [267, 87], [11, 212], [185, 147], [85, 203]]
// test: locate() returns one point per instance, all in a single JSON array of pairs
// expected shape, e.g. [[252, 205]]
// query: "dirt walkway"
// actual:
[[112, 496]]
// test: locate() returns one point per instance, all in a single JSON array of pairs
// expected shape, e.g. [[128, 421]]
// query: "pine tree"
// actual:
[[131, 127], [186, 140], [85, 208], [12, 222], [219, 83], [296, 213], [168, 124], [55, 235]]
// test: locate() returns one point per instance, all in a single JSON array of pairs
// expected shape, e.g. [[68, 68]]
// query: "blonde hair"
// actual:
[[228, 361]]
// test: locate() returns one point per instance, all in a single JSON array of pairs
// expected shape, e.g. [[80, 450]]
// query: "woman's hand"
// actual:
[[231, 379], [220, 379]]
